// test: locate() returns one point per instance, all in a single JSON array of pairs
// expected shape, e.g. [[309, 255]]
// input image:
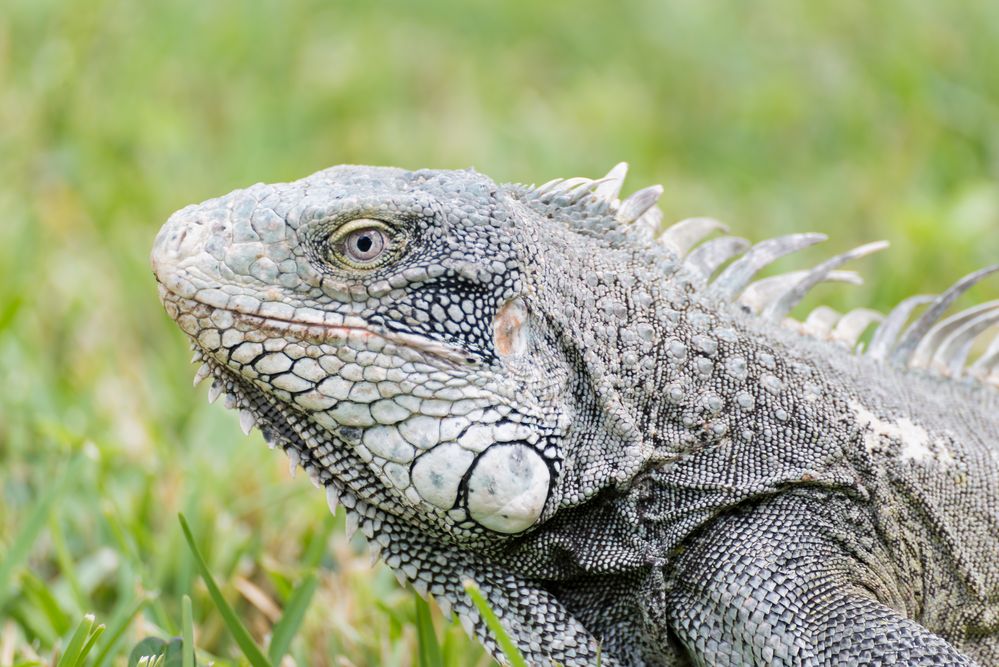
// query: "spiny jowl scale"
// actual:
[[616, 431]]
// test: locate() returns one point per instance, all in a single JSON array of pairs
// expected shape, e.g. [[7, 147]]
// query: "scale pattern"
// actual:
[[616, 431]]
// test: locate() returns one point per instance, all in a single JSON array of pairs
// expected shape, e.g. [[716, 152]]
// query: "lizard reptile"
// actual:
[[616, 433]]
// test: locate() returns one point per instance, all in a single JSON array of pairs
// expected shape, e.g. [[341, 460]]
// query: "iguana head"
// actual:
[[413, 337]]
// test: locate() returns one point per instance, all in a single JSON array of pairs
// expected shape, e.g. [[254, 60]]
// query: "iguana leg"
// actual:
[[785, 583], [610, 607]]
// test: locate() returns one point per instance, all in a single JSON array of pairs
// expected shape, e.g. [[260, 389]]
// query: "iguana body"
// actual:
[[611, 433]]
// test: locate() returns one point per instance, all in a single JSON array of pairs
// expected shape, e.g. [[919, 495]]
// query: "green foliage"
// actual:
[[430, 649], [508, 648], [863, 120], [20, 547], [291, 619], [236, 627], [81, 642], [156, 652], [187, 629]]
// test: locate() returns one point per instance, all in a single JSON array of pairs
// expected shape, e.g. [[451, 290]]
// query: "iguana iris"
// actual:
[[616, 433]]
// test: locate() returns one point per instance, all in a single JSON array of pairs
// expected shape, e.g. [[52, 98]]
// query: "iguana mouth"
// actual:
[[320, 332], [332, 334]]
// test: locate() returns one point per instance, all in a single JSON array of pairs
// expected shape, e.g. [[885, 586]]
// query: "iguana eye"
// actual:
[[363, 243]]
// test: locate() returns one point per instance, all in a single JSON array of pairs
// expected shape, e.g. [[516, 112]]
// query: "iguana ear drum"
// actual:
[[510, 329], [508, 488]]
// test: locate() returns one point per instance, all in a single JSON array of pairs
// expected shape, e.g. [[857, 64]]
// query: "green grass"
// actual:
[[863, 120]]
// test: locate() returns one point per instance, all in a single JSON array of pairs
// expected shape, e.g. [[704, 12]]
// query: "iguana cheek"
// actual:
[[508, 488]]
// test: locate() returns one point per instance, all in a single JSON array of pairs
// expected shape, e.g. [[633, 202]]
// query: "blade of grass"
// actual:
[[33, 524], [126, 547], [118, 624], [67, 565], [318, 545], [187, 628], [71, 655], [291, 618], [458, 650], [236, 627], [89, 646], [506, 644], [429, 647], [40, 595], [32, 621]]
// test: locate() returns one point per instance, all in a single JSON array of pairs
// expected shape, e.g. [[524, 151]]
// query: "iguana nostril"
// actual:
[[178, 240]]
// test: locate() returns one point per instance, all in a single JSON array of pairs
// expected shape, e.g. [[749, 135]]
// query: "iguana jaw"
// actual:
[[465, 445]]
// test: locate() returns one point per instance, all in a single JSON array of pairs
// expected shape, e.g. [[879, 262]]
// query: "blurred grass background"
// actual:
[[863, 120]]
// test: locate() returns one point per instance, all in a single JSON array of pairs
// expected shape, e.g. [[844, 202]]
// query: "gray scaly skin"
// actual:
[[617, 435]]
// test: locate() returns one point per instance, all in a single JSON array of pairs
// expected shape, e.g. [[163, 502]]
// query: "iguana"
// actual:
[[616, 433]]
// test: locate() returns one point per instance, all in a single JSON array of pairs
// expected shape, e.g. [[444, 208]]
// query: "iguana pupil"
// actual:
[[364, 245]]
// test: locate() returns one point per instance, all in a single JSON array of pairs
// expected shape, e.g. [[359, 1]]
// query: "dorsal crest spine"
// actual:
[[725, 267]]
